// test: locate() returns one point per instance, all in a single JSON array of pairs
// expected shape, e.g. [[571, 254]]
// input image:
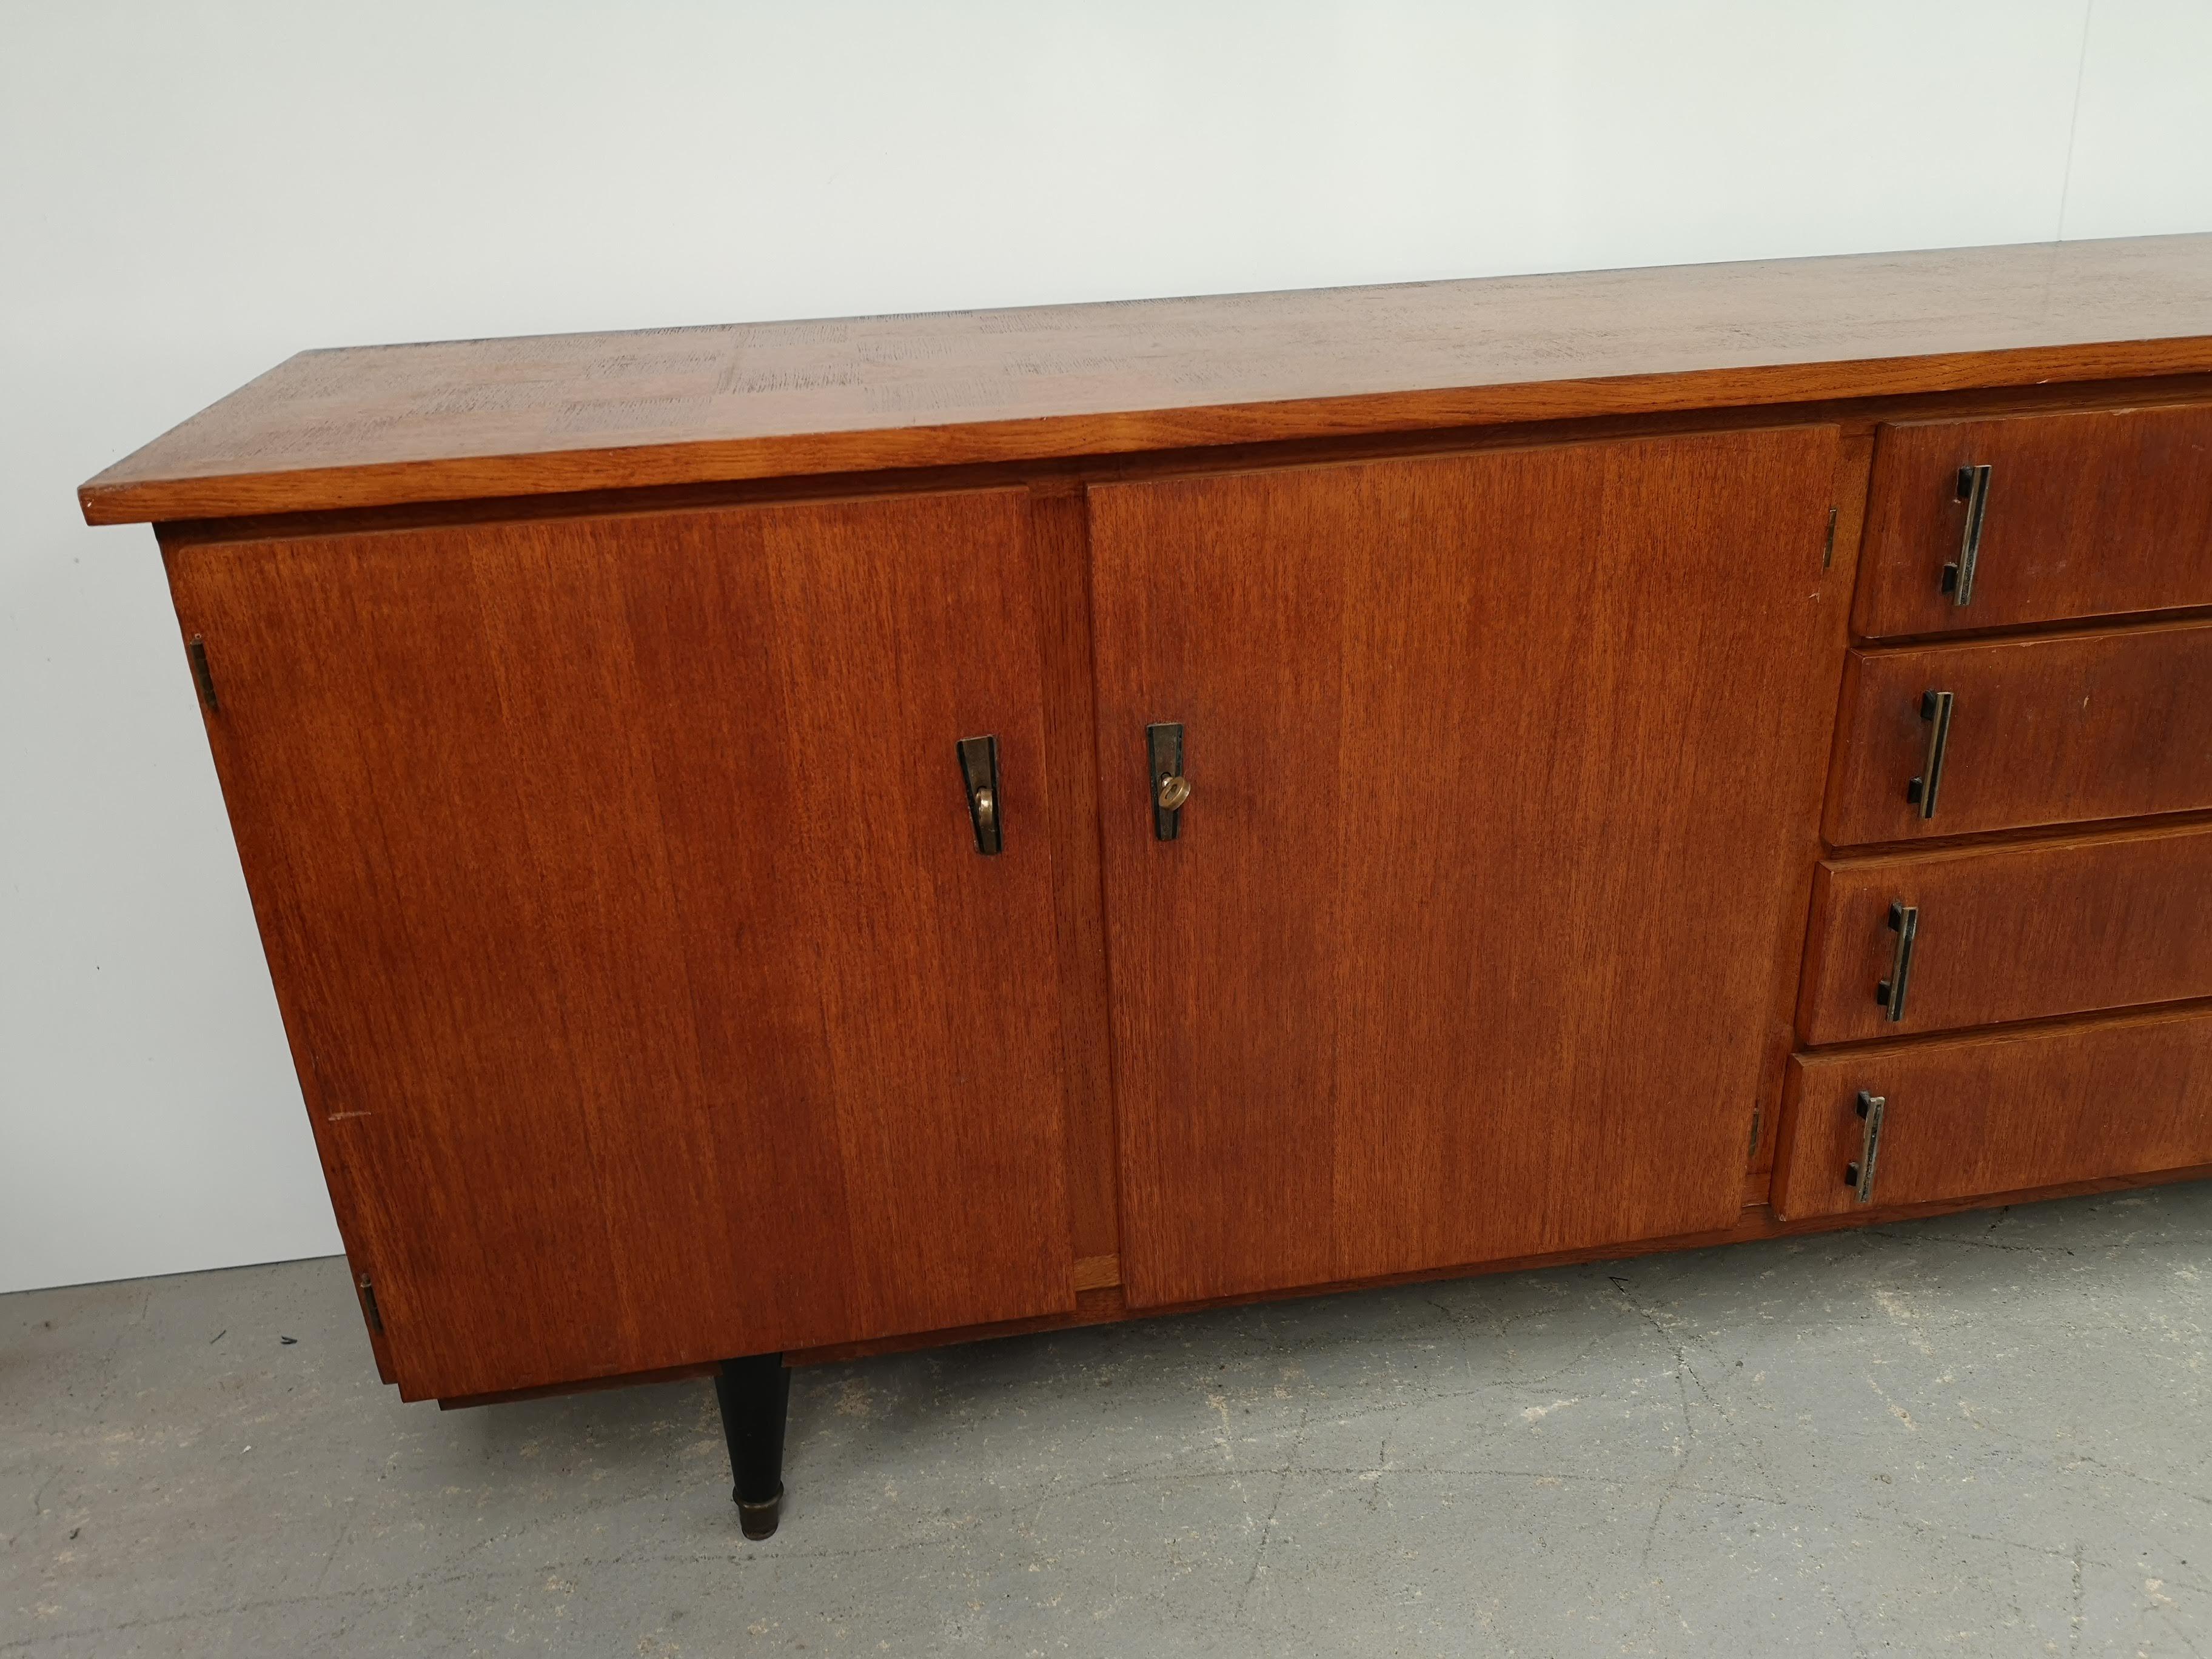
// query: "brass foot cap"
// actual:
[[758, 1520]]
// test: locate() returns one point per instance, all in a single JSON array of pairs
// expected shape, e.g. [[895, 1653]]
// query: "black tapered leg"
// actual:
[[755, 1393]]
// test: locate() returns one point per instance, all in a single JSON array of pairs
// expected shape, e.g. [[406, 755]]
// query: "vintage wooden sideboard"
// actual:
[[778, 842]]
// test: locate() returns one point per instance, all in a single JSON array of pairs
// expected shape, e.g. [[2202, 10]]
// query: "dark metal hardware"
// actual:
[[978, 770], [1169, 789], [1936, 709], [1828, 552], [1860, 1176], [1959, 575], [195, 648], [1905, 922], [369, 1306]]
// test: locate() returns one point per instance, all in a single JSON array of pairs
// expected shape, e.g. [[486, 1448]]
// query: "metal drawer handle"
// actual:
[[1860, 1176], [1936, 709], [1959, 575], [1905, 921]]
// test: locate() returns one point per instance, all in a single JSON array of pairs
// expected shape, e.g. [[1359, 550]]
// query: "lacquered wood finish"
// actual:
[[2114, 724], [479, 419], [1502, 769], [652, 1002], [592, 759], [2089, 513], [2054, 927], [1999, 1112]]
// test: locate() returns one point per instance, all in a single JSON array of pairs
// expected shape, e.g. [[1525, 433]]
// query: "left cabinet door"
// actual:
[[651, 999]]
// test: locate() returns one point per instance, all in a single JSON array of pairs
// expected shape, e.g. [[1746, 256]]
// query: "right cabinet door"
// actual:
[[1477, 934]]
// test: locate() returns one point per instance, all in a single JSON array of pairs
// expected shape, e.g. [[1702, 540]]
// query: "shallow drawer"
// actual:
[[2081, 515], [1981, 936], [2000, 1113], [1939, 740]]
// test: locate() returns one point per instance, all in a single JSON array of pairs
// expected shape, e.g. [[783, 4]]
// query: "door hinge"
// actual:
[[1828, 553], [368, 1308], [195, 648]]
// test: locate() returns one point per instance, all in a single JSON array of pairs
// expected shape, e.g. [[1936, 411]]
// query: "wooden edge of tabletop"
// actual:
[[107, 499]]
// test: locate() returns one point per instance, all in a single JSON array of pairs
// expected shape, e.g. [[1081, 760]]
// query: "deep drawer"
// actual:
[[1999, 1112], [2112, 724], [2017, 932], [2091, 514]]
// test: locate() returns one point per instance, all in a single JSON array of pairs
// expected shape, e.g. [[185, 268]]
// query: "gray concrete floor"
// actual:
[[1985, 1434]]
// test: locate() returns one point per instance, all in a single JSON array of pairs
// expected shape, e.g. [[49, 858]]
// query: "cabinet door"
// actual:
[[1478, 935], [652, 1000]]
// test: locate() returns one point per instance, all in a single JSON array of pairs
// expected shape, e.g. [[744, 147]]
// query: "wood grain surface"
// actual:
[[650, 998], [1756, 1223], [1059, 532], [465, 420], [1506, 769], [2113, 724], [2094, 513], [2052, 927], [1999, 1112]]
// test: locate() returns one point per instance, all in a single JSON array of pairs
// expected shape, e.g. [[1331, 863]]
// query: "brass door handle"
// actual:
[[1170, 789], [979, 772]]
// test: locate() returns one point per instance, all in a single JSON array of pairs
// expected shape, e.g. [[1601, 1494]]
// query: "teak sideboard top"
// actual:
[[554, 414]]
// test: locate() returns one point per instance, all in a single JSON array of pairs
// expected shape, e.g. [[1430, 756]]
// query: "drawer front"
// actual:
[[2091, 514], [2000, 1113], [2110, 725], [2019, 933]]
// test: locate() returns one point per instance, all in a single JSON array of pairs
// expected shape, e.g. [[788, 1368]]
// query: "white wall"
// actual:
[[189, 193]]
